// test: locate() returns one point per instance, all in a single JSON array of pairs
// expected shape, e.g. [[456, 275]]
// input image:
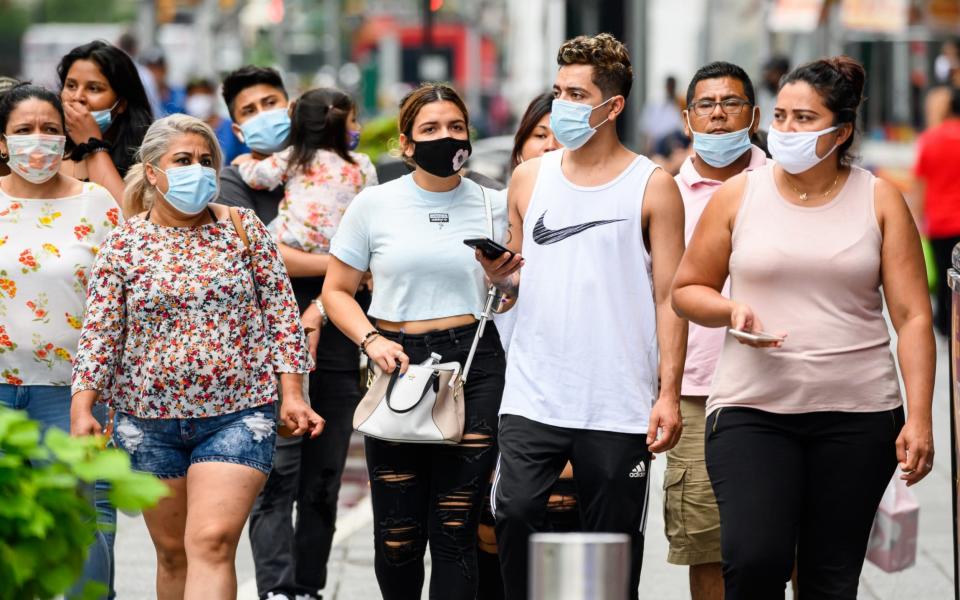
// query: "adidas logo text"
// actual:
[[639, 471]]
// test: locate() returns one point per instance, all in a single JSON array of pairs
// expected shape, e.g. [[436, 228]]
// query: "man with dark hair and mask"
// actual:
[[720, 117], [597, 352]]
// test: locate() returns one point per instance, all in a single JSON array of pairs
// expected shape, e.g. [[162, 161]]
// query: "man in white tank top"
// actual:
[[601, 231]]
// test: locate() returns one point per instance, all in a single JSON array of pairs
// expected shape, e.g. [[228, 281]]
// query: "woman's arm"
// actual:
[[265, 174], [281, 317], [339, 289], [904, 279], [303, 264], [104, 327], [705, 267]]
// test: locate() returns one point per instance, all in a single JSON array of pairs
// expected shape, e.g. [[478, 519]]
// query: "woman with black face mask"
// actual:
[[428, 295]]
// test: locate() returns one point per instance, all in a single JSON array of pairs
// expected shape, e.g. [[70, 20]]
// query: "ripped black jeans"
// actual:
[[433, 493]]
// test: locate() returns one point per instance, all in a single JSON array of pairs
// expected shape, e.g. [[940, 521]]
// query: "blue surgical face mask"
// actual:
[[354, 140], [721, 149], [570, 122], [191, 188], [104, 118], [267, 132]]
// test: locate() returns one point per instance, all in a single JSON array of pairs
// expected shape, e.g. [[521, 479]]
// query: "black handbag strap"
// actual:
[[432, 381]]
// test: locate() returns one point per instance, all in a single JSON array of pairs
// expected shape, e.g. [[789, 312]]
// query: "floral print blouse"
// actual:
[[185, 322], [47, 247], [314, 198]]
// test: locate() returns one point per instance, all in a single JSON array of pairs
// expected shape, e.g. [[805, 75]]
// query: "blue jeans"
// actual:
[[50, 405]]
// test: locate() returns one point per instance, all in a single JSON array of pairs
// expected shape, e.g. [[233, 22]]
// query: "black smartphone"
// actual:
[[488, 247]]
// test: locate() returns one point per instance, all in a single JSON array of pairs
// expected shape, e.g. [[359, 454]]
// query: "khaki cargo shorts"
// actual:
[[690, 515]]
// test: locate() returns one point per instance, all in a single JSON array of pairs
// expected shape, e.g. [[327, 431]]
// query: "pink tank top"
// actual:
[[814, 273]]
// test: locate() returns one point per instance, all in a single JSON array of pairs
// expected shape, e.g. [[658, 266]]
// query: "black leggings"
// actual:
[[432, 493], [798, 488]]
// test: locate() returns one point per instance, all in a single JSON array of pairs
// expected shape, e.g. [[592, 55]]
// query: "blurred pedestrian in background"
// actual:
[[189, 322], [51, 228], [936, 200], [107, 114], [202, 102], [171, 97], [773, 71], [806, 427]]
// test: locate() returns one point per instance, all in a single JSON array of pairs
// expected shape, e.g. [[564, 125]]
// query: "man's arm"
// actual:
[[504, 271], [664, 219]]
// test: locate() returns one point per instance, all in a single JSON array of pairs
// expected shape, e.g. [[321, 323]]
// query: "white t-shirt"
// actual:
[[46, 250], [411, 240]]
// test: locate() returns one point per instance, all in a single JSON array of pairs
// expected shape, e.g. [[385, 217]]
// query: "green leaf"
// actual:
[[138, 491], [65, 448], [22, 434], [107, 465]]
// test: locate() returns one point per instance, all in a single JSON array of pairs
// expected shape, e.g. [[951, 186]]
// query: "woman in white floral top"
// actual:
[[51, 228], [320, 170], [188, 325]]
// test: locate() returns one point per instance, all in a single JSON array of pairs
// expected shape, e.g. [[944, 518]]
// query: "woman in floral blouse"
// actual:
[[51, 227], [188, 325]]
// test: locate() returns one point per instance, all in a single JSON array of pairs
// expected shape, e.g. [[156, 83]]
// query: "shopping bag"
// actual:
[[893, 539]]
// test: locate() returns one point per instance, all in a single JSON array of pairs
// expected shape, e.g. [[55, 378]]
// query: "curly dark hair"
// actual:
[[607, 55]]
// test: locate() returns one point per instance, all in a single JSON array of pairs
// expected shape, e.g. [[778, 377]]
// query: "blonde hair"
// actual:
[[138, 193]]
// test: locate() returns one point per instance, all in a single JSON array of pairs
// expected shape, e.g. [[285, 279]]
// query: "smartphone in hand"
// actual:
[[488, 247], [755, 336]]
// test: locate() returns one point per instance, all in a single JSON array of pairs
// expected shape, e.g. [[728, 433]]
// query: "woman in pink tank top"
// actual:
[[805, 431]]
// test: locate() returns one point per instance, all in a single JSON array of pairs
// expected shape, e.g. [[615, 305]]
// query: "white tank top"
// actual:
[[584, 349]]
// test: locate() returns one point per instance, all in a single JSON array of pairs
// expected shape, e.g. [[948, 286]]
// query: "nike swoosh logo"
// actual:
[[544, 236]]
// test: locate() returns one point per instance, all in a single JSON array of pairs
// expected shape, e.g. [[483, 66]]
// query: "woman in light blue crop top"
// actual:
[[429, 292]]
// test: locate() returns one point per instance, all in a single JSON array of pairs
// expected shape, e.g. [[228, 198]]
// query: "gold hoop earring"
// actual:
[[4, 157]]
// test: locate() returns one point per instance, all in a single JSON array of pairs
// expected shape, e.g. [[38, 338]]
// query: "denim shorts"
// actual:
[[167, 447]]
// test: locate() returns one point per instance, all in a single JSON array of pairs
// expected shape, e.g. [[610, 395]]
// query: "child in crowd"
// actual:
[[319, 169]]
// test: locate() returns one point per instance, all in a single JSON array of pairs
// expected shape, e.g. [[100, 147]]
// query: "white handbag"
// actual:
[[425, 405]]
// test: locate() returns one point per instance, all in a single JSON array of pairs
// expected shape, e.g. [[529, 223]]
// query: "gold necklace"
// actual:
[[804, 195]]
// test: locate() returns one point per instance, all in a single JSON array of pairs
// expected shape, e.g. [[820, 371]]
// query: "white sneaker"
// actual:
[[273, 596]]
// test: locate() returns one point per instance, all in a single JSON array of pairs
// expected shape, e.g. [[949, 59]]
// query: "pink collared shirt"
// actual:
[[703, 343]]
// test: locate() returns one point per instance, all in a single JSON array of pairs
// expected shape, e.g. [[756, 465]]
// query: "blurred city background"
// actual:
[[501, 53]]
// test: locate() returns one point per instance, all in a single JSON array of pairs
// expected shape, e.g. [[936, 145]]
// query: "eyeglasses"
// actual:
[[731, 106]]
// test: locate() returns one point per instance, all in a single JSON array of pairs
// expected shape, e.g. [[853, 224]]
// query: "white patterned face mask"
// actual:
[[35, 158]]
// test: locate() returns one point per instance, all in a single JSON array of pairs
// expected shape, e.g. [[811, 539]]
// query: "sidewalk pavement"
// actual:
[[351, 562]]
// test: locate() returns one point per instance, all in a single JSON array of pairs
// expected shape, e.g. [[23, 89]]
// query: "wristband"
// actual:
[[323, 312], [80, 151], [366, 340]]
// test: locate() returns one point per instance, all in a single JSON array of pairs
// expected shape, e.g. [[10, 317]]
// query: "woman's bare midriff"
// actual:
[[418, 327]]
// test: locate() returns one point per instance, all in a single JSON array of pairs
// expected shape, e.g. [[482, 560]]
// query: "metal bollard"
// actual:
[[579, 566]]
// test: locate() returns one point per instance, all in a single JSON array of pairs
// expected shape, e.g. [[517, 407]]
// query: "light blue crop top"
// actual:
[[412, 242]]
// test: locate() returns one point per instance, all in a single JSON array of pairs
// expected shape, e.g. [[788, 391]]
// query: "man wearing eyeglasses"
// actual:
[[721, 117]]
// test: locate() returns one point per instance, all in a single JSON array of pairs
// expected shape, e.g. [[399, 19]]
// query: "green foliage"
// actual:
[[101, 11], [46, 522], [378, 135]]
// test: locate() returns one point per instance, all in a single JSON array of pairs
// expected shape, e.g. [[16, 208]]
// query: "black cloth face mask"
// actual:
[[443, 157]]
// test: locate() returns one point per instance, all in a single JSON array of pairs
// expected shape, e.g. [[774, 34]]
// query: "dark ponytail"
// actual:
[[319, 122], [839, 80]]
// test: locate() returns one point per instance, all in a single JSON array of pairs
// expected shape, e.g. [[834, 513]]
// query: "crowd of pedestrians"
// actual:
[[729, 316]]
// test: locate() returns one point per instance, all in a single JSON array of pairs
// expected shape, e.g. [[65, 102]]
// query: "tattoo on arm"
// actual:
[[509, 233]]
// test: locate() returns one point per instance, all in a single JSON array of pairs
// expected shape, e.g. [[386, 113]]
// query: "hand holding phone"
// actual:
[[487, 247], [756, 336]]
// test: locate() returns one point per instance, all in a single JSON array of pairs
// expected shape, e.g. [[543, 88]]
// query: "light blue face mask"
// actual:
[[720, 149], [104, 118], [570, 122], [267, 132], [191, 188]]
